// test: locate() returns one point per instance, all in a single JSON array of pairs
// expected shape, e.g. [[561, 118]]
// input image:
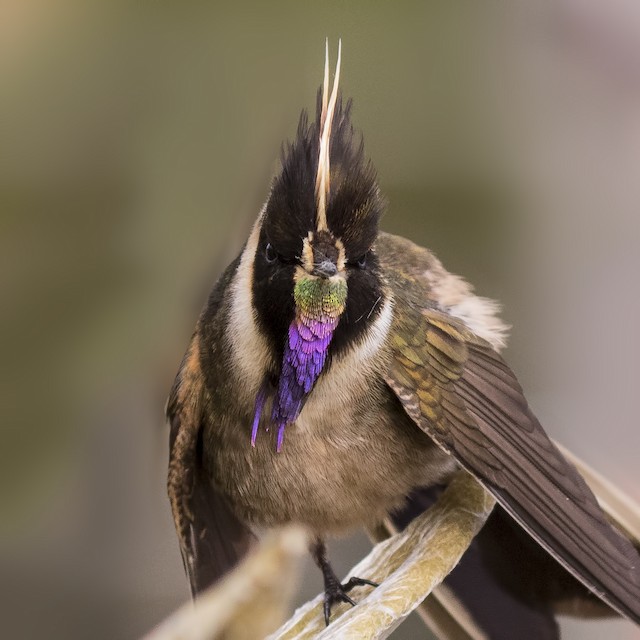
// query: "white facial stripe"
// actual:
[[342, 256], [350, 375], [307, 253], [249, 347]]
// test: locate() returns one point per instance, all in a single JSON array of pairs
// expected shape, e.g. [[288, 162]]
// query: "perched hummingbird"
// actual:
[[338, 374]]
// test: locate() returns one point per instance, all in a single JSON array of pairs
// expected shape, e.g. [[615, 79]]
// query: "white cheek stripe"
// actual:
[[349, 376], [249, 347]]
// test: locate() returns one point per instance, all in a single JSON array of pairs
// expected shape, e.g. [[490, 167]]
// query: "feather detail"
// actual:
[[319, 304], [260, 400], [326, 119]]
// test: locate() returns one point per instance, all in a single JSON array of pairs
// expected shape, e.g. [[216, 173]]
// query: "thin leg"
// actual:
[[333, 590]]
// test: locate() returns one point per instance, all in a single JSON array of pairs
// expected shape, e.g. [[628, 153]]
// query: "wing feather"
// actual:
[[459, 390]]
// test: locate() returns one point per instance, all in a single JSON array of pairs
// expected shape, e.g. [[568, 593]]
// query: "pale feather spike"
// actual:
[[325, 85], [330, 111], [322, 180]]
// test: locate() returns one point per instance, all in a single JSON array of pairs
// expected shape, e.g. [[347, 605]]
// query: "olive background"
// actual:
[[137, 144]]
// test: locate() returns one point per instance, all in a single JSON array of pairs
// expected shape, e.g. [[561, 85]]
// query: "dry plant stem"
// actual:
[[250, 602], [407, 566]]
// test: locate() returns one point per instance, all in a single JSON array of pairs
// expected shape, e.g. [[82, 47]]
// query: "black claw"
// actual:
[[334, 591], [358, 582]]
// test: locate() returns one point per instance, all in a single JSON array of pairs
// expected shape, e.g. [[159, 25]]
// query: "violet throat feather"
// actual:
[[319, 303]]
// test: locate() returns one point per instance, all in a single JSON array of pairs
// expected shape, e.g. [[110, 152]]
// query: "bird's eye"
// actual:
[[361, 262], [270, 254]]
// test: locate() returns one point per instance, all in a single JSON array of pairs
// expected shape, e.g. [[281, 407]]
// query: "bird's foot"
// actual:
[[335, 592]]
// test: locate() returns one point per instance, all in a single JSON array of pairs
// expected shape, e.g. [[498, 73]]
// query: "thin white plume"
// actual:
[[326, 119], [325, 84]]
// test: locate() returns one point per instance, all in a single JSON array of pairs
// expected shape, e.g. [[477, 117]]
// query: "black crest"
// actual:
[[354, 205]]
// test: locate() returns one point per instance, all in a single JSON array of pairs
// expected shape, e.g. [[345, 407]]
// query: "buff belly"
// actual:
[[331, 476]]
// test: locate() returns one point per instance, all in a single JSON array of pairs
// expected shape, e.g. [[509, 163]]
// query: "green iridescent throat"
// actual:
[[317, 297]]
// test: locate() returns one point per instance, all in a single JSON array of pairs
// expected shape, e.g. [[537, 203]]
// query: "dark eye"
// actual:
[[270, 254], [361, 262]]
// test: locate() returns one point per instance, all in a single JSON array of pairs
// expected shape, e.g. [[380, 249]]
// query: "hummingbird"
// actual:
[[339, 376]]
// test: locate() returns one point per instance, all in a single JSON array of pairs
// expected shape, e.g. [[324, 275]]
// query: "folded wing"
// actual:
[[461, 393], [212, 539]]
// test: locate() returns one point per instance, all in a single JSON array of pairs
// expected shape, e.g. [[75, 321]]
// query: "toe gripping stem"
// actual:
[[334, 591]]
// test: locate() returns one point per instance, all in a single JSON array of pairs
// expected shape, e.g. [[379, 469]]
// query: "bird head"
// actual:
[[316, 285]]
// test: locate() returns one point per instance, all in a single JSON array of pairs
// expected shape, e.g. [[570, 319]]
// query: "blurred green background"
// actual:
[[137, 143]]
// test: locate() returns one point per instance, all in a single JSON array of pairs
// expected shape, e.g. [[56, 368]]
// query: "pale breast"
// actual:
[[333, 473]]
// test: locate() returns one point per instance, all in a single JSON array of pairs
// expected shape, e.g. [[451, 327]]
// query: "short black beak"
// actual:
[[325, 269]]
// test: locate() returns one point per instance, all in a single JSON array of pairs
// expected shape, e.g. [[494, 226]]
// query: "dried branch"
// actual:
[[250, 602]]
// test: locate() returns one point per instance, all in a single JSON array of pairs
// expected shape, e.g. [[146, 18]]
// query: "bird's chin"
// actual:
[[320, 299]]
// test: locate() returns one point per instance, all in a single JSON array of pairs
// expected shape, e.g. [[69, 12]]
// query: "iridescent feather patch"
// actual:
[[319, 305]]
